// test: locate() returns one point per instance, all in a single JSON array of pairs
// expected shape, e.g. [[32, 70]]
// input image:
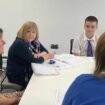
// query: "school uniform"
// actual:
[[84, 46]]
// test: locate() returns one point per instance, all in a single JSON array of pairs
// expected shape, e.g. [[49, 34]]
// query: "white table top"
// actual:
[[41, 90]]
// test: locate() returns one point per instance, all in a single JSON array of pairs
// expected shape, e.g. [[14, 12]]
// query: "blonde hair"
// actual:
[[26, 27]]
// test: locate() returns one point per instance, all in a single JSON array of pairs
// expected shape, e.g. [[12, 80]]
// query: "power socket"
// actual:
[[54, 46]]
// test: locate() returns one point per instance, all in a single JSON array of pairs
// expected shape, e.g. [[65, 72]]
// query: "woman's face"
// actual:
[[30, 35]]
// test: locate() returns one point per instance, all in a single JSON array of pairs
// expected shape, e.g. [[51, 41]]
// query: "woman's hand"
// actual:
[[44, 55], [48, 56], [36, 55]]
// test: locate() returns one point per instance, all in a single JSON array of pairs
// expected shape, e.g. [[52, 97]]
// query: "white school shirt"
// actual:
[[81, 42]]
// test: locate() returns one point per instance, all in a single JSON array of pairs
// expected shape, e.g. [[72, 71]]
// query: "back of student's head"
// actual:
[[100, 56], [91, 19]]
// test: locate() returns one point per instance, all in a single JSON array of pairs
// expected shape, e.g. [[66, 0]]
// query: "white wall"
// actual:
[[13, 13], [58, 20]]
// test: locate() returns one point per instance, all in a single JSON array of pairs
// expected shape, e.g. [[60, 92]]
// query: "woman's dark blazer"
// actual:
[[19, 62]]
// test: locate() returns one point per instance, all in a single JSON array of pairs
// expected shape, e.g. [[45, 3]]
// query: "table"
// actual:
[[41, 90]]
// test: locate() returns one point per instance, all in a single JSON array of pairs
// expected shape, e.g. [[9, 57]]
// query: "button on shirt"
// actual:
[[80, 44]]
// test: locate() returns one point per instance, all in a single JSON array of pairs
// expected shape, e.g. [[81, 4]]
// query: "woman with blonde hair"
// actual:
[[89, 89], [21, 54]]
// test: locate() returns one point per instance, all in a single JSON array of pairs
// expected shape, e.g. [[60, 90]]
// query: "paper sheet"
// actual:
[[74, 61], [61, 66], [44, 69], [60, 93]]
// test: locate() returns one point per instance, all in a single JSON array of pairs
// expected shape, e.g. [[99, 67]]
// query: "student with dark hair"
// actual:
[[89, 89], [4, 100], [1, 30], [84, 44], [2, 43]]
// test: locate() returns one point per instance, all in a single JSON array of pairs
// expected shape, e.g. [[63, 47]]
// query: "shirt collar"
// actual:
[[85, 37]]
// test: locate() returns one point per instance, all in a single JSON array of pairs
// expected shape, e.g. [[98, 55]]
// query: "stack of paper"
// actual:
[[74, 60], [44, 69]]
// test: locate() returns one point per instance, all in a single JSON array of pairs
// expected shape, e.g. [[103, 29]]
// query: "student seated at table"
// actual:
[[20, 55], [2, 43], [89, 89], [84, 44], [6, 100]]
